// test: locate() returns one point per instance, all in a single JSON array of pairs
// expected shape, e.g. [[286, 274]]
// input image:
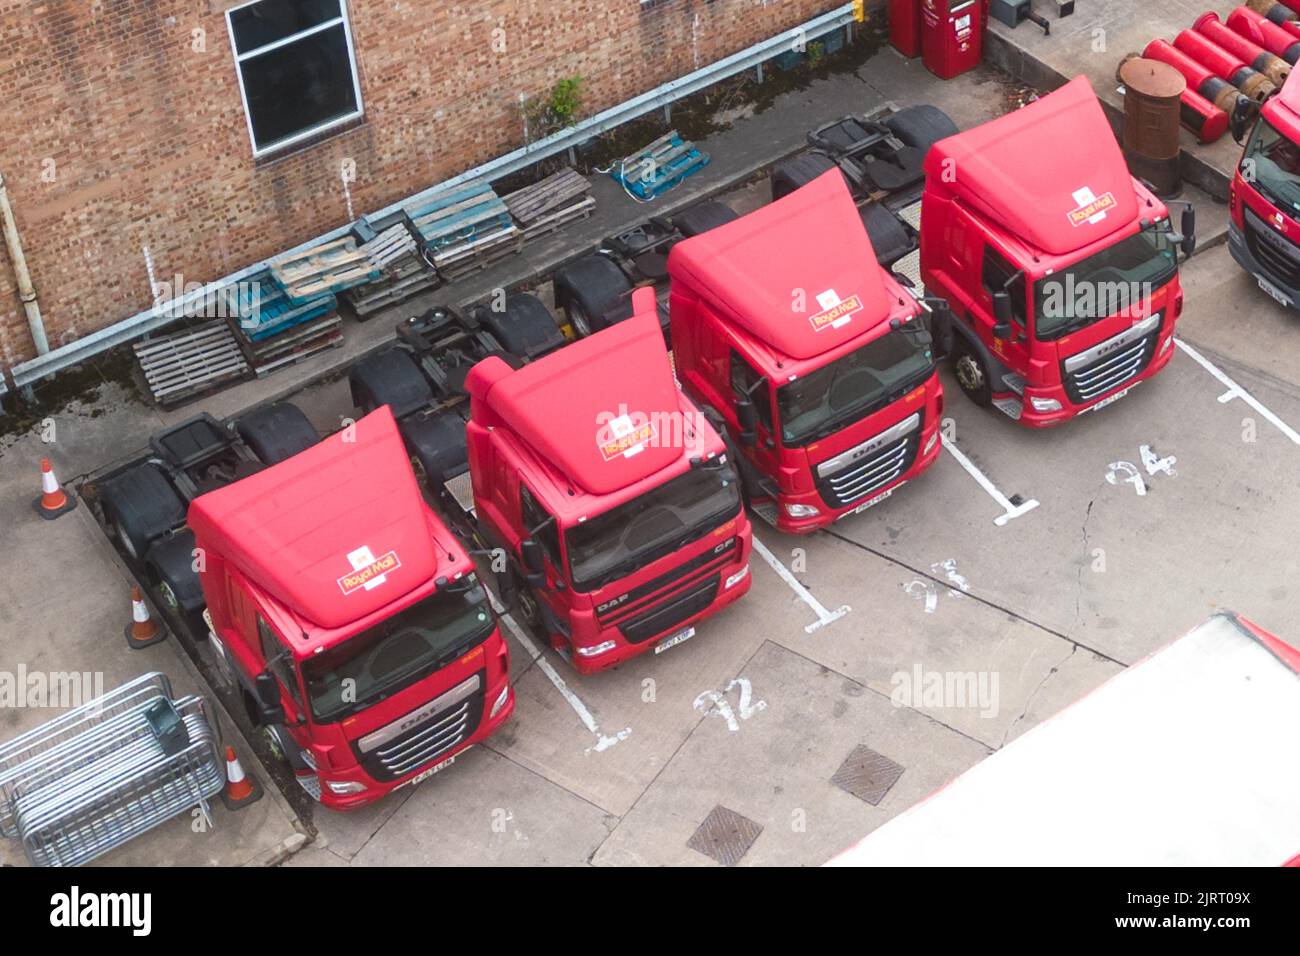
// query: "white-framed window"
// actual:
[[297, 70]]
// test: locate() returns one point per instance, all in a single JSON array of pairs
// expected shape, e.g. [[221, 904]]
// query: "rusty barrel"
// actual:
[[1152, 102]]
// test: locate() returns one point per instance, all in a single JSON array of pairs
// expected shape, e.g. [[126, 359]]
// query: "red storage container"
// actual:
[[952, 35], [905, 26]]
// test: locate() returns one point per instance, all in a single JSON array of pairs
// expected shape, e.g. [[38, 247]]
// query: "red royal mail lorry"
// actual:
[[345, 614], [816, 361], [594, 471], [1060, 268], [1264, 202]]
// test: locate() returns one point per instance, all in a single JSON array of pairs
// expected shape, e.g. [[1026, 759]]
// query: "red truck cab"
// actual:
[[810, 355], [350, 616], [1264, 198], [1060, 268], [594, 472]]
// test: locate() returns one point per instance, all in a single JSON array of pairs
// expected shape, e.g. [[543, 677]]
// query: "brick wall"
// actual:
[[120, 135]]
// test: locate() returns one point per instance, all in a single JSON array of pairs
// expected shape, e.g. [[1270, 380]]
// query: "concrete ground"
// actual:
[[808, 735]]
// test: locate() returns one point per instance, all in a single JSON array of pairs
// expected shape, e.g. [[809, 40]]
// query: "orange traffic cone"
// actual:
[[241, 788], [54, 501], [143, 629]]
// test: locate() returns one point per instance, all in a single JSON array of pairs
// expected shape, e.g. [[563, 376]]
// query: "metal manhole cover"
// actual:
[[867, 775], [724, 836]]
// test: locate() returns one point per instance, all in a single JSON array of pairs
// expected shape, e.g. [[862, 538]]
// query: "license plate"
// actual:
[[674, 640], [1110, 400], [877, 499], [424, 775], [1273, 291]]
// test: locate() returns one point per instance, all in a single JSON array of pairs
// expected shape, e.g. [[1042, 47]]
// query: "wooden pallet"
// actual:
[[549, 204], [669, 159], [271, 312], [464, 228], [323, 270], [293, 345], [404, 272], [186, 364]]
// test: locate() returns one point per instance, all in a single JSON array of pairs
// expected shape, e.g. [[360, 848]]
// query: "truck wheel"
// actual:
[[140, 505], [703, 217], [799, 171], [277, 432], [972, 373], [587, 290], [525, 328], [921, 126], [389, 378]]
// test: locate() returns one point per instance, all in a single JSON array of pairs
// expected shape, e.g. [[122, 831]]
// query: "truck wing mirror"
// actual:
[[1187, 226], [530, 552], [1240, 118], [941, 330], [1002, 315], [747, 417], [270, 710]]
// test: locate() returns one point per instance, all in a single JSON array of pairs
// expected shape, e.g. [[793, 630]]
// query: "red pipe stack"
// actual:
[[1277, 40], [1271, 65]]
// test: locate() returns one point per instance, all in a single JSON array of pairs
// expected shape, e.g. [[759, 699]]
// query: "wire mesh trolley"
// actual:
[[101, 774]]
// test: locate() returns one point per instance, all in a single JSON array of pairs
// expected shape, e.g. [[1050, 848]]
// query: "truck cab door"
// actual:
[[998, 274], [764, 453]]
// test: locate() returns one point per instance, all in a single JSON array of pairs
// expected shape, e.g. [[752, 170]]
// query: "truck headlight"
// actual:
[[501, 701], [595, 649], [1044, 404], [345, 787], [801, 511], [736, 578]]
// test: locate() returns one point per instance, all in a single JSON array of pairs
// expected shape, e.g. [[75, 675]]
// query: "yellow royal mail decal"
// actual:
[[625, 443], [362, 576], [836, 314], [1091, 208]]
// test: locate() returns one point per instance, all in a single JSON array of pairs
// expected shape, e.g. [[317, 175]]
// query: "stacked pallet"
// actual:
[[403, 269], [273, 329], [323, 270], [189, 363], [663, 164], [464, 229], [549, 204]]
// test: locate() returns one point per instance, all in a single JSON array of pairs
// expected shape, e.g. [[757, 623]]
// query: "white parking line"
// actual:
[[603, 741], [824, 616], [1009, 510], [1236, 391]]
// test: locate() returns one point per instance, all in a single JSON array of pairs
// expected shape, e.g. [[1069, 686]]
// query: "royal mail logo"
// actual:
[[1091, 208], [368, 571], [623, 437], [835, 311]]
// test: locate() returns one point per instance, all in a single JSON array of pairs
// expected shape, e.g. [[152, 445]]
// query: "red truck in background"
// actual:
[[814, 359], [1118, 777], [1264, 198], [342, 611], [1061, 269], [582, 467]]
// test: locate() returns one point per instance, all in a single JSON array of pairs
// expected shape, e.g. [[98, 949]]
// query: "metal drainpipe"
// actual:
[[25, 290]]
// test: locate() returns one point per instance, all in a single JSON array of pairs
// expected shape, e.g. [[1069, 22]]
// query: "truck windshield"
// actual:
[[824, 401], [398, 651], [1106, 282], [631, 535], [1271, 163]]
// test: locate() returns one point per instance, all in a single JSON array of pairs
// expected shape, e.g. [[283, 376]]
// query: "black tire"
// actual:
[[276, 432], [590, 291], [972, 372], [141, 505], [171, 565], [389, 378], [921, 126], [799, 171], [890, 239], [525, 328], [703, 217]]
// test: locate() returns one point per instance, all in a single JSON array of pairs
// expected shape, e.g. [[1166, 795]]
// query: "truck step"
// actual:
[[1014, 381], [1011, 407]]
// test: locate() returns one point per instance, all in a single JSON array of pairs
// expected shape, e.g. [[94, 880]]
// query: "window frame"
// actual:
[[1019, 303], [283, 144], [529, 501], [287, 675]]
